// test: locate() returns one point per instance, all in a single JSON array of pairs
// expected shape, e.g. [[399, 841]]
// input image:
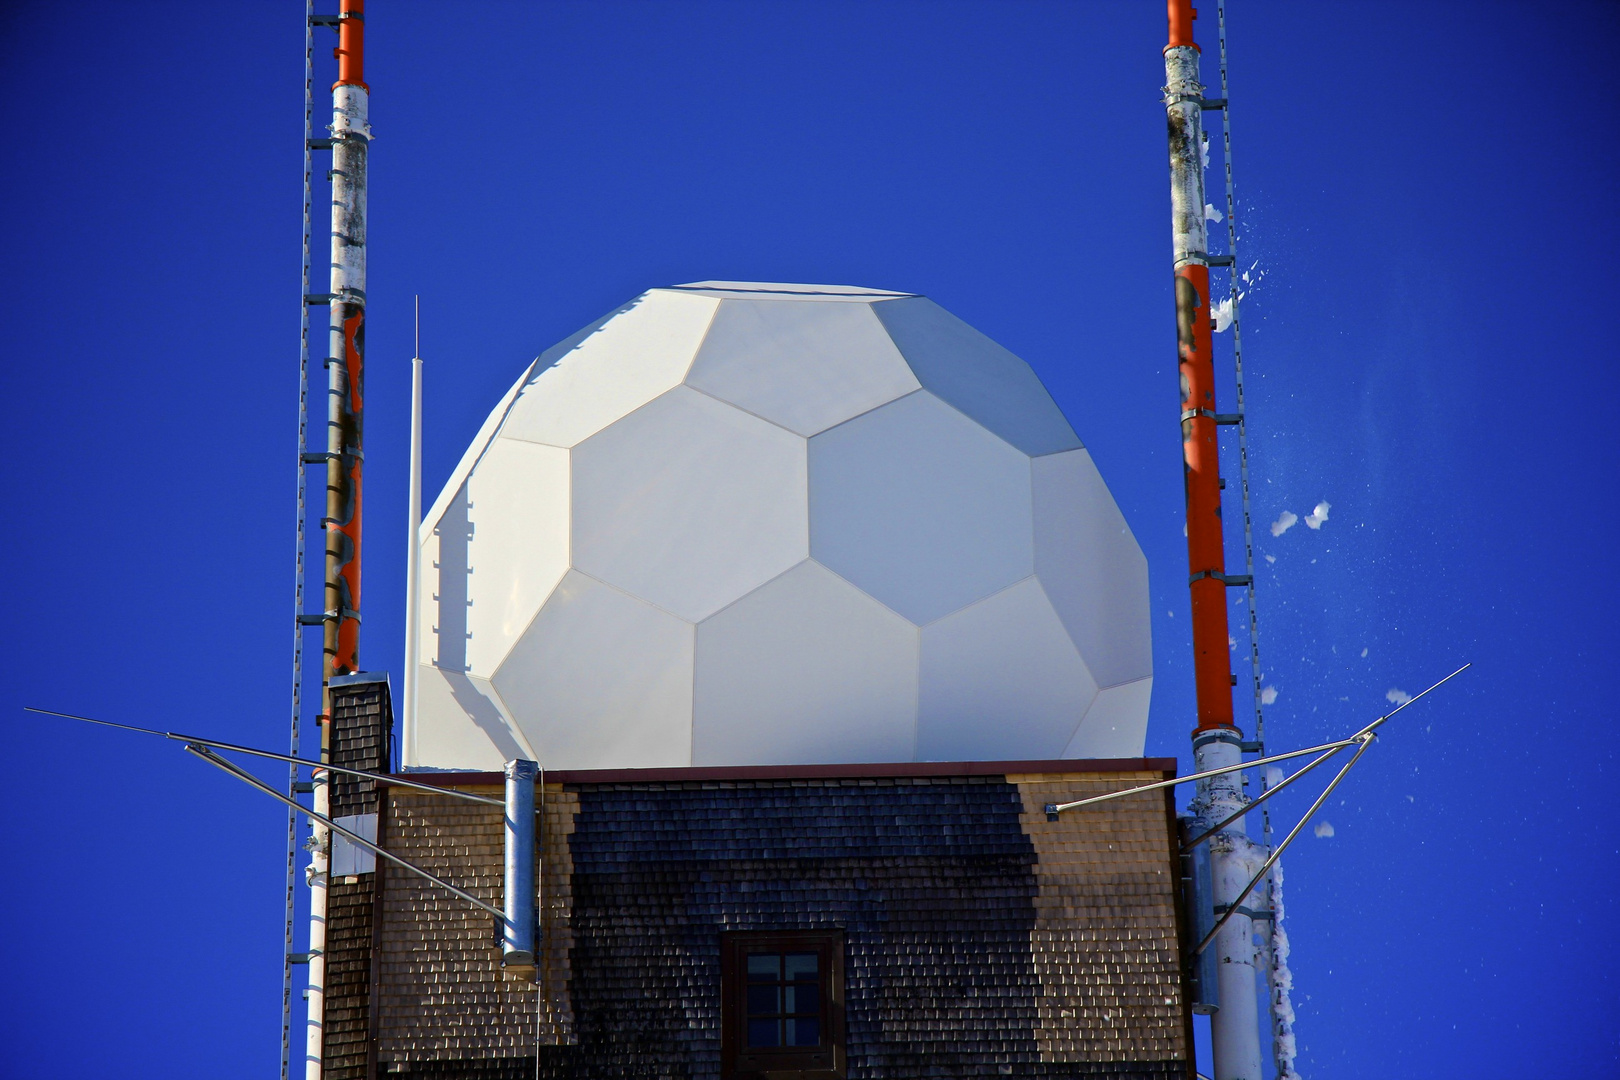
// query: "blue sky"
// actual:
[[1422, 185]]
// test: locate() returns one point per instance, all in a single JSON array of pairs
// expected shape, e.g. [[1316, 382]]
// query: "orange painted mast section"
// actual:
[[1200, 454], [1200, 448], [345, 460], [351, 48], [1182, 15]]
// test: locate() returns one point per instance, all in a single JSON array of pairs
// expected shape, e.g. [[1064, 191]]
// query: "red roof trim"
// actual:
[[903, 770]]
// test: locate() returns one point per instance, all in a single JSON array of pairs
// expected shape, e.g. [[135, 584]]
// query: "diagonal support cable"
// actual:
[[1366, 740], [1268, 793], [353, 837], [1055, 808], [392, 781]]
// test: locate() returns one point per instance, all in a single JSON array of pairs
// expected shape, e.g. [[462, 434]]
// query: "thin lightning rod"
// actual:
[[413, 559]]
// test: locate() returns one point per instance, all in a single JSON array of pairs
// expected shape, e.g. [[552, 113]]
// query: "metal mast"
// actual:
[[1217, 741], [343, 456]]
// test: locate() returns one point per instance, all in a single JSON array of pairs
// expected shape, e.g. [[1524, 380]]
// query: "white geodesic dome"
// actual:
[[746, 524]]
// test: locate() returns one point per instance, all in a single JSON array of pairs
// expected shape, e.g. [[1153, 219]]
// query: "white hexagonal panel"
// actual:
[[920, 506], [1092, 568], [1116, 724], [801, 364], [629, 359], [805, 669], [499, 549], [689, 503], [977, 376], [1000, 673], [475, 451], [602, 680], [462, 724]]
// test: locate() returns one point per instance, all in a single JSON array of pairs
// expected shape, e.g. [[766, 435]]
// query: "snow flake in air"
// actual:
[[1315, 518], [1324, 829], [1285, 521], [1268, 695], [1212, 214], [1223, 315], [1397, 696]]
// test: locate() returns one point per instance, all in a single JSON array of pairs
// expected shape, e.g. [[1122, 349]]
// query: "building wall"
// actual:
[[1106, 939], [981, 939], [440, 993], [361, 733]]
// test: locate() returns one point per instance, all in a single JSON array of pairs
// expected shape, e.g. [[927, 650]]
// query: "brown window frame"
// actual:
[[823, 1062]]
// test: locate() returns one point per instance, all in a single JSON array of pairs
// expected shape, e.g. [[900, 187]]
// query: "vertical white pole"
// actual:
[[413, 557], [320, 864], [1235, 1026]]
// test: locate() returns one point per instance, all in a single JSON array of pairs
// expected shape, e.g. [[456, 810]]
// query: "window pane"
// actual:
[[801, 965], [802, 998], [778, 999], [764, 1000], [803, 1032]]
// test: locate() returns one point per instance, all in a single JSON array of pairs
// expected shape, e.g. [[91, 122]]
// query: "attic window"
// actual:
[[782, 1003]]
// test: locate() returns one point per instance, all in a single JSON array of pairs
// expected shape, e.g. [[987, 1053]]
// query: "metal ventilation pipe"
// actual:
[[1217, 741], [517, 939]]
